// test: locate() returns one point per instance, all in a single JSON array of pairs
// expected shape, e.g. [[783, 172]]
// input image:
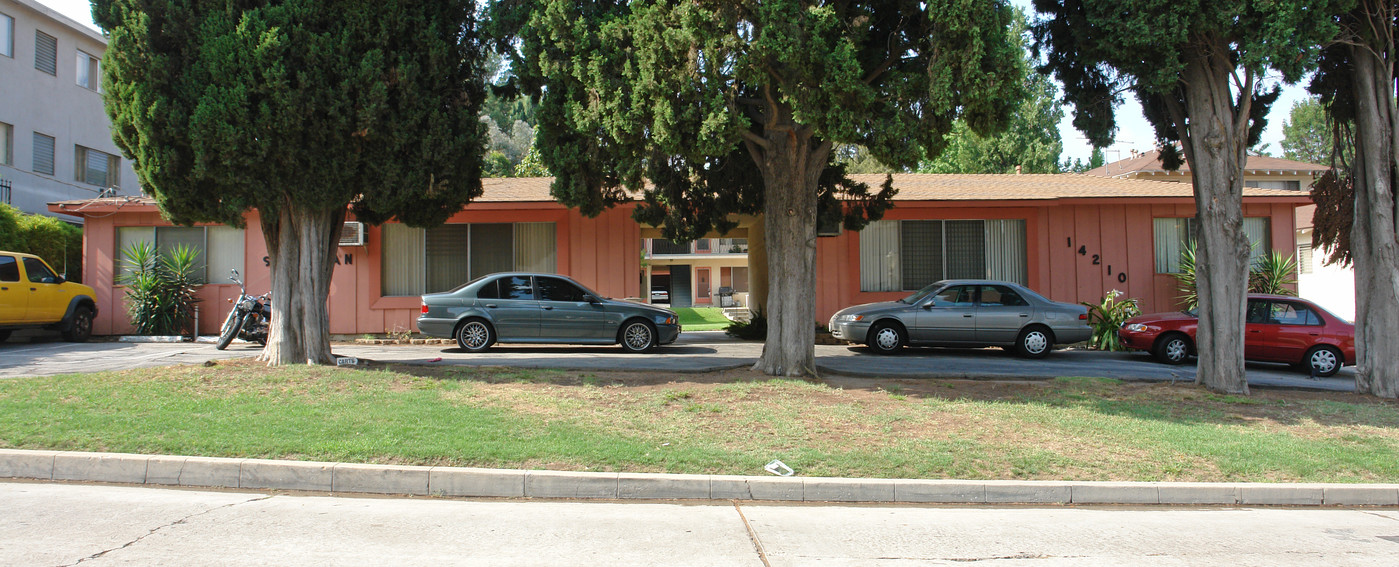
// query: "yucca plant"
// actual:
[[1185, 280], [1106, 317], [160, 288], [1272, 274]]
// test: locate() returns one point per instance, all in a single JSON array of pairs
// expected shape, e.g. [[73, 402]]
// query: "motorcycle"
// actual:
[[249, 317]]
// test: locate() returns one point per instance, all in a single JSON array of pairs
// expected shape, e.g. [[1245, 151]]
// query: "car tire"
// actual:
[[80, 328], [637, 336], [1323, 361], [886, 338], [1034, 342], [1173, 348], [475, 335]]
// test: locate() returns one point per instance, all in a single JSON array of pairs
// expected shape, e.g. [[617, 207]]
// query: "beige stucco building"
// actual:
[[55, 138]]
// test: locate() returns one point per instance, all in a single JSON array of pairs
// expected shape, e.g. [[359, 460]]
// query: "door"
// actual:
[[515, 311], [1258, 331], [702, 291], [48, 299], [1000, 313], [948, 317], [14, 298], [1295, 329], [565, 313], [680, 286]]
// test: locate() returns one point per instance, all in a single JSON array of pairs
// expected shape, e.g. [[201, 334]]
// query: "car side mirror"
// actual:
[[590, 298]]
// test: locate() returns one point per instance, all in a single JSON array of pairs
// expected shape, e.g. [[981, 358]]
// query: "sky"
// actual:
[[1133, 131]]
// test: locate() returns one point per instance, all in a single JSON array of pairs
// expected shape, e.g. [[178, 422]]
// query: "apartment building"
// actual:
[[55, 138]]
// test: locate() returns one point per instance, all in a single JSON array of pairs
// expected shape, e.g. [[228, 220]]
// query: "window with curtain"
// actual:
[[7, 36], [1171, 236], [220, 248], [907, 255], [7, 144], [416, 261], [89, 71]]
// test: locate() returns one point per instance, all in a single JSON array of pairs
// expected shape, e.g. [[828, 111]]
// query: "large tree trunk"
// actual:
[[791, 163], [1214, 147], [1373, 234], [300, 247]]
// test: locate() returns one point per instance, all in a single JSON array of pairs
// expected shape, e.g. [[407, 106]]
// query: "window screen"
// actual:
[[921, 253], [492, 249], [966, 249], [43, 154], [448, 255], [46, 53]]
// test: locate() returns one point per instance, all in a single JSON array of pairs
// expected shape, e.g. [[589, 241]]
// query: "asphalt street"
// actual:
[[67, 524], [695, 352]]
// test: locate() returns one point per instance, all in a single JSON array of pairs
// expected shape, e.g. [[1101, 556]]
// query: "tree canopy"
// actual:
[[710, 108], [297, 109], [1307, 133]]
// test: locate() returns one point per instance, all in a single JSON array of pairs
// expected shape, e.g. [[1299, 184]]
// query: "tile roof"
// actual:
[[911, 186], [1150, 162]]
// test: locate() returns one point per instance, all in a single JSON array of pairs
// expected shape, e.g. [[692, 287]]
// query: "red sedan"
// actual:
[[1278, 329]]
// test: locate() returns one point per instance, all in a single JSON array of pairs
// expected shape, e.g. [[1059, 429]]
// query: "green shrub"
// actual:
[[754, 329], [160, 289], [1272, 274], [57, 242], [1106, 317]]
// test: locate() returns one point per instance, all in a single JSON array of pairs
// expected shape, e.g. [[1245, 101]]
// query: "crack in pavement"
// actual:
[[171, 524], [752, 535]]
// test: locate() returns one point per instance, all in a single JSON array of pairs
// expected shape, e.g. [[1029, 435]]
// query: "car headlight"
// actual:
[[1135, 327], [849, 318], [666, 320]]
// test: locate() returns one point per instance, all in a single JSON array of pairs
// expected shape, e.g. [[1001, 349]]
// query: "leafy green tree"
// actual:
[[297, 108], [857, 159], [1195, 66], [1095, 161], [1031, 141], [731, 106], [1357, 209], [1306, 134]]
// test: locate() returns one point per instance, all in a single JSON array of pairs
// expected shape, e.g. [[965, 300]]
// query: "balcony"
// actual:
[[719, 246]]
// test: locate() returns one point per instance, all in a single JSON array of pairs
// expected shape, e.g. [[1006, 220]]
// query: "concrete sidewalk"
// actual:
[[319, 477]]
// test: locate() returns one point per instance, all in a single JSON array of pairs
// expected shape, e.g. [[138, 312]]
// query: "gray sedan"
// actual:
[[965, 313], [542, 308]]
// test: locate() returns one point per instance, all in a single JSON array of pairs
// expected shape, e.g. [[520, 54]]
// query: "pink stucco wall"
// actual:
[[604, 254]]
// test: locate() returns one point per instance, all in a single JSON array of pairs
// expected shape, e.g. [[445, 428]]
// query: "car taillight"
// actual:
[[1082, 316], [424, 309]]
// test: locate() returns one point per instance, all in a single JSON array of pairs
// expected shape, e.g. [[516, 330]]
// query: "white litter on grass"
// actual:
[[779, 468]]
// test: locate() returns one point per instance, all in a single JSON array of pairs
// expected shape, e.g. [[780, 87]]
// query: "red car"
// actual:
[[1277, 329]]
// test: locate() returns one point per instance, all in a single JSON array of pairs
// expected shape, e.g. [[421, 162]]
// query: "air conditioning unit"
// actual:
[[352, 234]]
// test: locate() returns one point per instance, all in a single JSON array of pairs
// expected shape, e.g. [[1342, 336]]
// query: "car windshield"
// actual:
[[922, 294]]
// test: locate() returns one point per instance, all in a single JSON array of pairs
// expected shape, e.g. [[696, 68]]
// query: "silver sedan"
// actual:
[[542, 308], [965, 313]]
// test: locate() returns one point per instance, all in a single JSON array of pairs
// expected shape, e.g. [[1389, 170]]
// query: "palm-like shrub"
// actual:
[[1106, 317], [160, 288], [1271, 274]]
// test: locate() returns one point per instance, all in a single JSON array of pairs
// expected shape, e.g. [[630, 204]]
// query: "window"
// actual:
[[43, 154], [9, 269], [97, 168], [417, 261], [1304, 258], [46, 53], [89, 72], [956, 296], [1285, 185], [7, 144], [1173, 235], [515, 287], [38, 272], [220, 248], [556, 289], [908, 255], [1000, 296], [7, 36], [740, 280], [663, 246]]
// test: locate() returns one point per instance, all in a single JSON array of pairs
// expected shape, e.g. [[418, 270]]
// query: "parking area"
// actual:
[[702, 351]]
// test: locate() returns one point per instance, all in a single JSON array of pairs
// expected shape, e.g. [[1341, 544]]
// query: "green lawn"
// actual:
[[1076, 429], [701, 318]]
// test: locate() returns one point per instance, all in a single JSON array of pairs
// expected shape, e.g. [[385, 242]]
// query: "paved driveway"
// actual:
[[695, 352]]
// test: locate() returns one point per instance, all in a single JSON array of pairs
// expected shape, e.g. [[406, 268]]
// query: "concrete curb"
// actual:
[[210, 472]]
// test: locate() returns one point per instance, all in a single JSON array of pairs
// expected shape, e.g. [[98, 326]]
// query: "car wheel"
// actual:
[[1172, 349], [475, 335], [1034, 342], [1323, 360], [886, 338], [638, 336], [80, 329]]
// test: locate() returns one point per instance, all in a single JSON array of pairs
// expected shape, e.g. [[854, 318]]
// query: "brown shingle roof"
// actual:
[[911, 186], [1150, 162]]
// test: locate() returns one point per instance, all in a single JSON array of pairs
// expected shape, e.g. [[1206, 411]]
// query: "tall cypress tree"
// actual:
[[298, 108]]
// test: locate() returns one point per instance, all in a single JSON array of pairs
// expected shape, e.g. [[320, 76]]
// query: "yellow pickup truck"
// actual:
[[32, 295]]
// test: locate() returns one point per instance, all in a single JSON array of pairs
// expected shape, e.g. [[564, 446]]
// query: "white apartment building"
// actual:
[[55, 138]]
